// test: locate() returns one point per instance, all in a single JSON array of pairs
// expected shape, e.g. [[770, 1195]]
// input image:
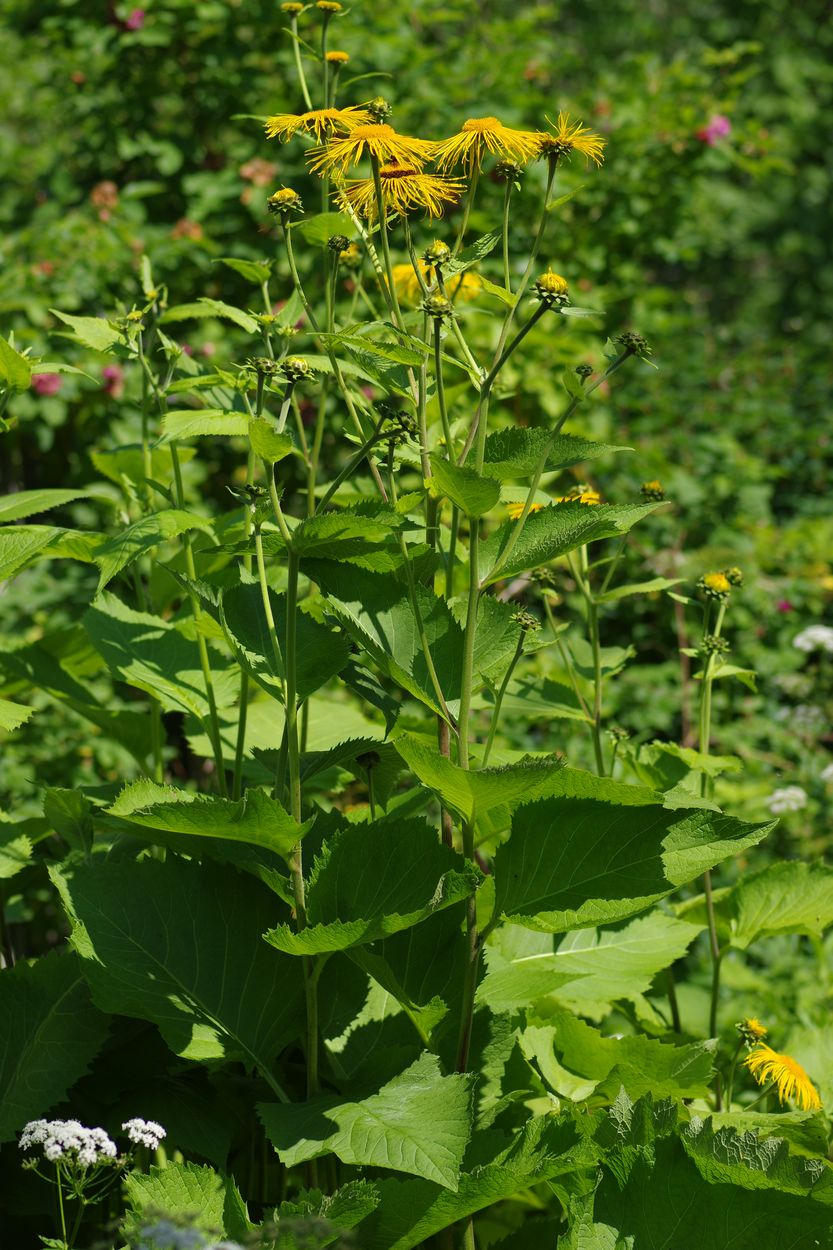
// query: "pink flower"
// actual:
[[136, 20], [208, 349], [718, 128], [113, 376], [783, 605], [47, 383]]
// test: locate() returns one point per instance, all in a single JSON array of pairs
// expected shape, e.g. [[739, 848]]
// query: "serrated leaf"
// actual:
[[267, 442], [255, 271], [256, 818], [472, 494], [653, 586], [13, 715], [69, 813], [51, 1033], [575, 863], [94, 332], [420, 1122], [515, 452], [179, 943], [15, 848], [553, 532], [15, 370], [726, 1155], [206, 1199], [202, 422], [210, 308], [31, 502], [116, 553], [791, 897], [414, 877], [470, 255]]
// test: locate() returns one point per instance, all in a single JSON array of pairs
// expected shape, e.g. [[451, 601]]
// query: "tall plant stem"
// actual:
[[530, 265], [299, 65], [705, 787], [507, 677], [334, 364], [477, 374], [507, 196], [467, 207], [596, 649], [389, 288], [438, 377], [243, 710], [291, 687], [479, 425]]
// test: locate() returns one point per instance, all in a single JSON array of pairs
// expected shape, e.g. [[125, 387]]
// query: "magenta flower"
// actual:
[[718, 128], [136, 20], [783, 605], [113, 376], [47, 383]]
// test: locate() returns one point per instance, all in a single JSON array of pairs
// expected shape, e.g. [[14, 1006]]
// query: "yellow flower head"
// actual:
[[318, 122], [568, 137], [791, 1081], [292, 8], [284, 201], [376, 139], [351, 256], [751, 1030], [328, 6], [462, 286], [580, 494], [715, 585], [404, 190], [552, 290], [515, 509], [653, 491], [480, 136], [337, 57]]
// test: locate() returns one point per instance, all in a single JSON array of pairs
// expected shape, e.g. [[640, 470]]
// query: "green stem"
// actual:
[[291, 687], [507, 195], [438, 375], [598, 680], [270, 625], [464, 224], [61, 1205], [389, 287], [317, 443], [730, 1080], [299, 66], [361, 454], [487, 750], [243, 705], [452, 552], [476, 373]]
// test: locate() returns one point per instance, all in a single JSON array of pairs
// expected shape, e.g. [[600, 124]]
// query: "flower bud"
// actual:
[[715, 586], [552, 290], [528, 623], [295, 368], [634, 344], [584, 371], [284, 202], [328, 6], [751, 1031], [652, 492], [338, 243], [713, 645], [292, 9], [264, 366], [734, 576], [437, 254], [379, 109], [437, 307], [508, 171]]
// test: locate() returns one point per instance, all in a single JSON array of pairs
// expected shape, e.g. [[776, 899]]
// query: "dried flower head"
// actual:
[[791, 1081], [482, 136], [568, 137], [584, 371]]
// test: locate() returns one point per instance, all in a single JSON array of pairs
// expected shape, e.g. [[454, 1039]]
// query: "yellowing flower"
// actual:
[[404, 190], [516, 509], [376, 139], [570, 137], [791, 1081], [318, 122], [480, 136], [462, 286]]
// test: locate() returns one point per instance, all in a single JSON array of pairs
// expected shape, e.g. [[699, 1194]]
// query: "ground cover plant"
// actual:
[[394, 896]]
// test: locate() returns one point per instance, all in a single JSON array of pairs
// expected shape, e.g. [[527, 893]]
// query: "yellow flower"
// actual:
[[790, 1079], [515, 509], [482, 135], [291, 8], [337, 57], [351, 256], [370, 139], [552, 290], [751, 1030], [464, 286], [404, 190], [570, 137], [715, 585], [328, 6], [318, 122], [580, 494]]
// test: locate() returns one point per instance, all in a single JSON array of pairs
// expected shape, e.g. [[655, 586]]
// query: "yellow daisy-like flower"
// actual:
[[328, 6], [569, 137], [291, 8], [791, 1081], [516, 509], [751, 1030], [462, 286], [337, 57], [376, 139], [481, 136], [318, 122], [715, 585], [404, 189], [580, 494]]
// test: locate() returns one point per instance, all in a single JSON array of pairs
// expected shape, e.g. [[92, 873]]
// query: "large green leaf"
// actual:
[[31, 502], [486, 797], [21, 543], [565, 1048], [553, 532], [205, 307], [156, 656], [321, 653], [187, 1192], [179, 943], [142, 536], [15, 370], [51, 1032], [667, 1205], [201, 422], [256, 818], [378, 614], [515, 452], [589, 970], [497, 1167], [726, 1155], [413, 877], [791, 897], [573, 863], [420, 1122], [473, 495], [94, 332]]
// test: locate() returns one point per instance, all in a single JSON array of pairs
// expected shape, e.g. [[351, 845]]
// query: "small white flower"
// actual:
[[70, 1140], [788, 799], [815, 638], [827, 773], [144, 1132]]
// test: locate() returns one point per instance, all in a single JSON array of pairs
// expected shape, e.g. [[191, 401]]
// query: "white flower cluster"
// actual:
[[165, 1235], [815, 638], [70, 1140], [789, 799], [144, 1132]]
